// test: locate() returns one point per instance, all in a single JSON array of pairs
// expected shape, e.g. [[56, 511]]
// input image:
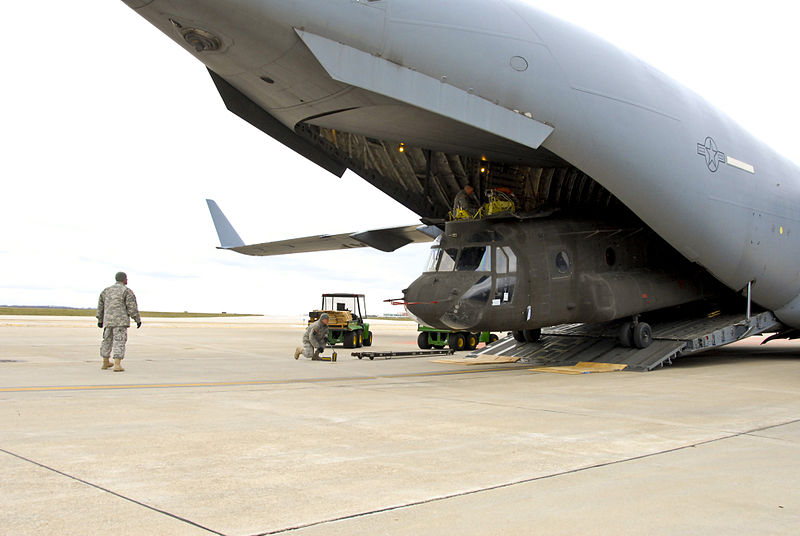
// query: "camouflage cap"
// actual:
[[324, 316], [121, 277]]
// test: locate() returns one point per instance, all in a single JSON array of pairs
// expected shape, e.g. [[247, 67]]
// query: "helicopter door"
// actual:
[[505, 276]]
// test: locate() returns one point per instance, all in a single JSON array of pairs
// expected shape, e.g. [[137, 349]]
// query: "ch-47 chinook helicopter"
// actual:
[[633, 193]]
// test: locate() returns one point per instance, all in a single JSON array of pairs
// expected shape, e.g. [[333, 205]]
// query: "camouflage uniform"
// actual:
[[314, 339], [465, 201], [115, 308]]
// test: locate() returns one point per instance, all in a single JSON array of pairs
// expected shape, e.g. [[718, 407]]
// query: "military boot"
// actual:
[[297, 352], [106, 364], [118, 365]]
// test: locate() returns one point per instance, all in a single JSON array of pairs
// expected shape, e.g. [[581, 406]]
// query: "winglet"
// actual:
[[228, 237]]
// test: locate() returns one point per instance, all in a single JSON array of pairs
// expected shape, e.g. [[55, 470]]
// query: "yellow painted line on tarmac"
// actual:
[[246, 383]]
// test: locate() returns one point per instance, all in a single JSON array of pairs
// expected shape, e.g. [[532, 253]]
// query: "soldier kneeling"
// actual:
[[314, 339]]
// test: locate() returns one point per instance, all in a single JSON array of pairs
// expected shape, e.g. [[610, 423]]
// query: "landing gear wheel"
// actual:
[[472, 341], [368, 339], [457, 341], [423, 342], [532, 335], [642, 335], [493, 338], [519, 336], [626, 335]]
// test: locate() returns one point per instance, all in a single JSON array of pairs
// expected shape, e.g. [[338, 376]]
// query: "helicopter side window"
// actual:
[[475, 259], [562, 262]]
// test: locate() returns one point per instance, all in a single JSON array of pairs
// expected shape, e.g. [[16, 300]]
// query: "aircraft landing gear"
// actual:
[[528, 335], [635, 333], [626, 335], [533, 335]]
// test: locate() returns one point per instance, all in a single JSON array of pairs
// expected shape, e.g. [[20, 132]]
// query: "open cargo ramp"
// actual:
[[569, 344]]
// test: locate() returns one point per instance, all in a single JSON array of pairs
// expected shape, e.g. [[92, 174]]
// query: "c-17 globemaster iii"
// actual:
[[629, 194]]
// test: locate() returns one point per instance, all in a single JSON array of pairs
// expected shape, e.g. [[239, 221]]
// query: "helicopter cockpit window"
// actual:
[[512, 260], [475, 259], [448, 261], [505, 260], [480, 291], [433, 259], [504, 289]]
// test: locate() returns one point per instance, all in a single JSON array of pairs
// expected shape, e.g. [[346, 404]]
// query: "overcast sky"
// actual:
[[113, 136]]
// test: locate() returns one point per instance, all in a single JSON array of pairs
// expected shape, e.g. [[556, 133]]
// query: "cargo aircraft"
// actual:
[[629, 194]]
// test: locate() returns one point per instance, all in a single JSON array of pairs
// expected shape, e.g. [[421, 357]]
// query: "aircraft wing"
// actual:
[[386, 240]]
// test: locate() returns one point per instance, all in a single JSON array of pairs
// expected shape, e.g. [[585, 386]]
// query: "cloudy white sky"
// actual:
[[113, 136]]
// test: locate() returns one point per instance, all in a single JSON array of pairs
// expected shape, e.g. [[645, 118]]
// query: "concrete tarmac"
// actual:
[[214, 428]]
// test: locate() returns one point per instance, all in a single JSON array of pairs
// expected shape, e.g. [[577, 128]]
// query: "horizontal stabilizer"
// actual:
[[381, 239]]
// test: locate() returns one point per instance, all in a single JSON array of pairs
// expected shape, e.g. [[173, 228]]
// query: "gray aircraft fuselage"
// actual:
[[500, 82]]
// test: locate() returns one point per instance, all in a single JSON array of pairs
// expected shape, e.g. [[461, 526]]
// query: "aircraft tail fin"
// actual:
[[228, 237]]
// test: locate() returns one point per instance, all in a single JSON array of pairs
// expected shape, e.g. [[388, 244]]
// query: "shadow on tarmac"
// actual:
[[739, 355]]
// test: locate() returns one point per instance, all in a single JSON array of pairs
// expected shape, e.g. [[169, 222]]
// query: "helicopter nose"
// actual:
[[449, 301], [463, 316], [427, 298]]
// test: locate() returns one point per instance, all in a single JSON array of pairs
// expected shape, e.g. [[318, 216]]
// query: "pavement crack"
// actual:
[[357, 515], [114, 493]]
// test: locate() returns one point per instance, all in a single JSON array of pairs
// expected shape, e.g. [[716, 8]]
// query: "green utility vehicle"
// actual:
[[457, 340], [346, 324]]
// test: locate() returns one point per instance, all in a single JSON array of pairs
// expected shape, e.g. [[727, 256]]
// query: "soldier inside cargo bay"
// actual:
[[465, 201]]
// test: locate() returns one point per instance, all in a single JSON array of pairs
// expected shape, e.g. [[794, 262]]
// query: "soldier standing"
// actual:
[[314, 339], [117, 305]]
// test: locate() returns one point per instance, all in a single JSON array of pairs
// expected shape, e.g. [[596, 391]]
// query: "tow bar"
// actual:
[[403, 355]]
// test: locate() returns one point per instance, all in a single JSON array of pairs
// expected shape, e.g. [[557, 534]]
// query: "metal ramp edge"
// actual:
[[569, 344]]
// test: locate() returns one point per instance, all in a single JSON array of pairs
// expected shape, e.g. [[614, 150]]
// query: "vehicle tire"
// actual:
[[422, 341], [471, 341], [368, 339], [626, 335], [349, 339], [519, 336], [532, 335], [457, 341], [642, 335], [359, 339], [493, 338]]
